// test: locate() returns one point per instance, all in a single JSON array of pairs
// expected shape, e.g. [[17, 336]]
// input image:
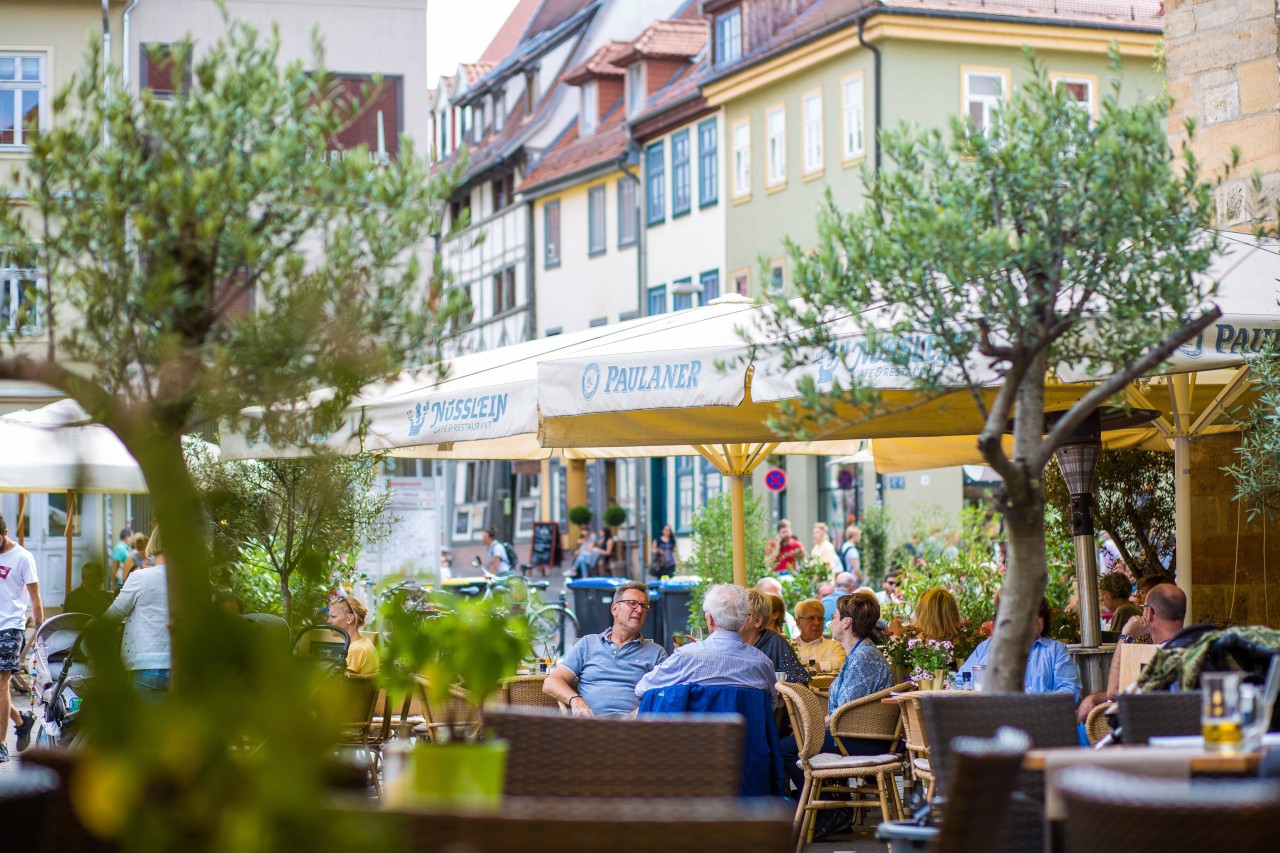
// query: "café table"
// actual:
[[1198, 761]]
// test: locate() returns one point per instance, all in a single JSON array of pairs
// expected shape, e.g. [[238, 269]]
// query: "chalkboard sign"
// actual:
[[546, 544]]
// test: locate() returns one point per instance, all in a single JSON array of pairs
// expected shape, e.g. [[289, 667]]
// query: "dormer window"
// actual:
[[589, 117], [499, 109], [728, 44], [480, 120], [635, 88], [530, 90]]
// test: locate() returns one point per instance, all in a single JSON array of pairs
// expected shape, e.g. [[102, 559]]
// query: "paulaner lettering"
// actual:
[[657, 377], [1241, 339]]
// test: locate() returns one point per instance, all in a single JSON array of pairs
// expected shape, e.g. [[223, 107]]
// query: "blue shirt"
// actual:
[[863, 672], [829, 604], [721, 660], [607, 675], [1050, 668]]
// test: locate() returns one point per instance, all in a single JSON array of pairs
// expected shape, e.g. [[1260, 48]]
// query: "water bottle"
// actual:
[[966, 681]]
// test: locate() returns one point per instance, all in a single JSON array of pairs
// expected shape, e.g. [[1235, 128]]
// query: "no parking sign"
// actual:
[[775, 480]]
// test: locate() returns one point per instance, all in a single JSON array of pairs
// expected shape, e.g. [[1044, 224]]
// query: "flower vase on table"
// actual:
[[929, 659]]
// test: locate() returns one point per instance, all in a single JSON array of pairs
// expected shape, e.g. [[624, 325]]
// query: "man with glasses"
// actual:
[[890, 593], [812, 646], [608, 666]]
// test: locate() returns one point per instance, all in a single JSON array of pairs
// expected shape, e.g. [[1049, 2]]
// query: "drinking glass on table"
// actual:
[[979, 676], [1252, 719], [1220, 716]]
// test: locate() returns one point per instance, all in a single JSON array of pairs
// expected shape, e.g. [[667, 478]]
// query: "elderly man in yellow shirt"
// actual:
[[349, 614]]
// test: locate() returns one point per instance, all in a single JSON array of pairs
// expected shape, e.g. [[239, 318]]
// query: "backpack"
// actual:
[[844, 555], [509, 550]]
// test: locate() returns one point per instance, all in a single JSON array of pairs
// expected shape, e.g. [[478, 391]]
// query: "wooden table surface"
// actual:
[[1204, 762]]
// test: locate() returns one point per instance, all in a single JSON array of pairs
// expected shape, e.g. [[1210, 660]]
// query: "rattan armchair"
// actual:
[[826, 772], [1147, 715], [361, 731], [526, 691], [1118, 811], [1097, 725], [550, 755], [459, 712], [917, 744]]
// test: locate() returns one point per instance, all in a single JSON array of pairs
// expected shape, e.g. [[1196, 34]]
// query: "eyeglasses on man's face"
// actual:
[[635, 605], [808, 618]]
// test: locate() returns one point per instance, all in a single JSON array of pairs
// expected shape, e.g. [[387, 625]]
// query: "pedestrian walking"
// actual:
[[18, 586]]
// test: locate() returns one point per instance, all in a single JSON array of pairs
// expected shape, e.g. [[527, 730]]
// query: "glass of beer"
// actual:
[[1220, 715]]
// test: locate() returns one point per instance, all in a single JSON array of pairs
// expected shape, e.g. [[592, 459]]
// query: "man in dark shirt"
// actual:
[[89, 597]]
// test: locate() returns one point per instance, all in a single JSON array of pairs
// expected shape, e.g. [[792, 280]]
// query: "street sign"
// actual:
[[844, 478], [775, 480]]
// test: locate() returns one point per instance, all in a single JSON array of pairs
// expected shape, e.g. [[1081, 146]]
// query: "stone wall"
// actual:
[[1236, 563], [1223, 65]]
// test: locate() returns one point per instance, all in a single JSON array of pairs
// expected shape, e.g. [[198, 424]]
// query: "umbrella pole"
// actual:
[[22, 516], [737, 497], [71, 514]]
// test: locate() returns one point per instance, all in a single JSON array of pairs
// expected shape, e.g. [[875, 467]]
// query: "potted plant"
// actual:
[[929, 662], [897, 652], [614, 515], [460, 643]]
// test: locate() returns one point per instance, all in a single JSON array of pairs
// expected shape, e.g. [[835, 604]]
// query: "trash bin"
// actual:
[[676, 592], [592, 598], [655, 625]]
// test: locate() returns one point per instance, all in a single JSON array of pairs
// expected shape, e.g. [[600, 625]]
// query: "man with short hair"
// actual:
[[848, 552], [845, 584], [496, 553], [722, 659], [18, 584], [608, 665], [1165, 609], [812, 646], [119, 554]]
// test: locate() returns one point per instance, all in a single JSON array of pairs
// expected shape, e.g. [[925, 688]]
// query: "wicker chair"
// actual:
[[458, 712], [1147, 715], [360, 732], [550, 755], [1118, 811], [526, 691], [978, 810], [559, 825], [824, 772], [917, 743], [1096, 725], [1048, 720]]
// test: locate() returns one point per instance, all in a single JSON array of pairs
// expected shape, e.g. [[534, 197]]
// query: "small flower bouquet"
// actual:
[[897, 650], [928, 656]]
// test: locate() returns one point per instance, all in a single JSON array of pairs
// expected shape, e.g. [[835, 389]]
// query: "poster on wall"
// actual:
[[413, 549]]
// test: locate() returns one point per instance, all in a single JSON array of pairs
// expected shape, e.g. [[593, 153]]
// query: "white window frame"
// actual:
[[40, 87], [597, 220], [811, 110], [635, 88], [499, 109], [853, 129], [989, 103], [775, 118], [11, 302], [724, 57], [1090, 104], [742, 159], [589, 110]]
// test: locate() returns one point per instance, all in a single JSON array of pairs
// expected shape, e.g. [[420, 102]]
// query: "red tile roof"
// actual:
[[599, 64], [668, 39], [553, 13], [572, 154], [473, 71], [509, 34]]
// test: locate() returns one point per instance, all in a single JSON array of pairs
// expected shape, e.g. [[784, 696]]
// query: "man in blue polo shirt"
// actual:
[[608, 666]]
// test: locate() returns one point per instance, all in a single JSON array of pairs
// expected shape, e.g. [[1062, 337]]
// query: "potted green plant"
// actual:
[[614, 515], [461, 643], [929, 661]]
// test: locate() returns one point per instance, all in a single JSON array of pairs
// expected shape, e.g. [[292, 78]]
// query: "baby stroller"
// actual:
[[60, 671]]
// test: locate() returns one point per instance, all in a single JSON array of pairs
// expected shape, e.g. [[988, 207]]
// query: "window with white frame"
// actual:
[[777, 276], [596, 243], [853, 134], [708, 179], [635, 88], [776, 133], [712, 481], [684, 494], [551, 235], [813, 132], [742, 158], [680, 172], [984, 94], [589, 117], [710, 281], [23, 96], [21, 300], [728, 36], [499, 109], [628, 213], [1078, 90]]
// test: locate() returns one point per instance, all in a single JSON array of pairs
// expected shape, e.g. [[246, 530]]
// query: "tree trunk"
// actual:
[[286, 599]]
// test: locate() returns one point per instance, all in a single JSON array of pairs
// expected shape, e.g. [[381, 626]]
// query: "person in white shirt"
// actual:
[[18, 584], [143, 606], [823, 548], [812, 646]]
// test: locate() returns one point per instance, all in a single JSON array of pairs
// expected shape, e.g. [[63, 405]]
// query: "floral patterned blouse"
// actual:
[[864, 672]]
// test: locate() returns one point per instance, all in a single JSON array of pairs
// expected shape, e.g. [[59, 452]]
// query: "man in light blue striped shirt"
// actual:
[[722, 659]]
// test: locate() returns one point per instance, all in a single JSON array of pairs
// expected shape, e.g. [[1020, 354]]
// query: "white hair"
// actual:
[[769, 584], [728, 606]]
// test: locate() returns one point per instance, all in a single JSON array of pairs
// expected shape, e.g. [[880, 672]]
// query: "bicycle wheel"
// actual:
[[545, 633]]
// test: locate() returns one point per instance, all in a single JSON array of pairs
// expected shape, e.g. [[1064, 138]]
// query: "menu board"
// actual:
[[546, 544]]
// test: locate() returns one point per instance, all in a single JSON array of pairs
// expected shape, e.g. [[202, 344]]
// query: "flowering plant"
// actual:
[[896, 647], [929, 656]]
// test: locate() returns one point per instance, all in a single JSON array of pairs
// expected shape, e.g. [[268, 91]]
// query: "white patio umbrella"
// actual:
[[58, 448]]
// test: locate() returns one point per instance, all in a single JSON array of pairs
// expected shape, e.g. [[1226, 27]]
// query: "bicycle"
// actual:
[[548, 623]]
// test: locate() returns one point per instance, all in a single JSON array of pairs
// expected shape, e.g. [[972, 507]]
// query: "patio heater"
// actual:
[[1078, 460]]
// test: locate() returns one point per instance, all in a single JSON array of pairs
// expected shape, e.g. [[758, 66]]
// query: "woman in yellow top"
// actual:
[[347, 613]]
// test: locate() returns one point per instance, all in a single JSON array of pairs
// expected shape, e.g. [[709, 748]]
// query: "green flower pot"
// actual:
[[458, 775]]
